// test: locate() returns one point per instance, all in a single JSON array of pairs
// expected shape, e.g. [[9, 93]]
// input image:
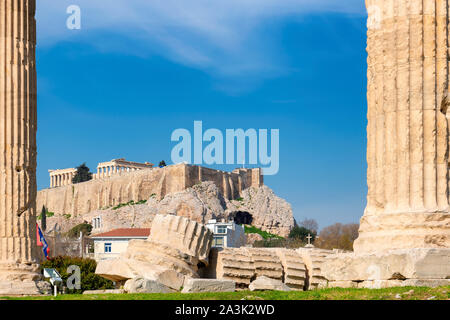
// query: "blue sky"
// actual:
[[137, 70]]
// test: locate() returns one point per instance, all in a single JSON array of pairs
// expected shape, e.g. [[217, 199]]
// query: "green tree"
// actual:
[[83, 174], [162, 164], [86, 228], [43, 217], [302, 233], [338, 236], [89, 280]]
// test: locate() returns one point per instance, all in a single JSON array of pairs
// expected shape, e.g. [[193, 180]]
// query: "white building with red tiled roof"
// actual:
[[111, 244]]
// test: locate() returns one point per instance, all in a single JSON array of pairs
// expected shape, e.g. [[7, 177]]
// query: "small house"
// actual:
[[111, 244]]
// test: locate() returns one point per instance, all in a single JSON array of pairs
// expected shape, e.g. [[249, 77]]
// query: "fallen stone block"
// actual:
[[173, 251], [237, 265], [268, 284], [401, 264], [186, 235], [120, 270], [380, 284], [266, 263], [142, 285], [208, 285], [294, 268], [314, 259], [107, 291]]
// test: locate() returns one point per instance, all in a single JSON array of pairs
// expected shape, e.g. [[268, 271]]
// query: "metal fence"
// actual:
[[59, 245]]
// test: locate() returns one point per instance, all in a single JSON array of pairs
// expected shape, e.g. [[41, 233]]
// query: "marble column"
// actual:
[[18, 250], [407, 148]]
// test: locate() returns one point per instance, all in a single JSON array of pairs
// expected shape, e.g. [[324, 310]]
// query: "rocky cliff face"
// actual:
[[269, 212], [200, 203]]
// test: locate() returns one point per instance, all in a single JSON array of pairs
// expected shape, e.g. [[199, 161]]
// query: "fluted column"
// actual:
[[17, 132], [407, 151]]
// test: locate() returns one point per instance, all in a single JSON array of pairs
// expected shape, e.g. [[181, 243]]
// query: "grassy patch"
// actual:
[[129, 203], [264, 234], [47, 214], [401, 293]]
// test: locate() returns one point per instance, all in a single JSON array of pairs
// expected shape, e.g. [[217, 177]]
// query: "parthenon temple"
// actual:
[[63, 177]]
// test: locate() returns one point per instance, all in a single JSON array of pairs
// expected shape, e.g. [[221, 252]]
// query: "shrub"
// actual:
[[302, 234], [89, 280], [162, 164], [86, 228], [279, 243], [83, 174], [338, 236], [48, 214], [130, 203], [264, 234]]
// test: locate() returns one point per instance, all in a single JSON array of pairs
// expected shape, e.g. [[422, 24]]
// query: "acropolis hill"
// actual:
[[107, 191], [194, 192]]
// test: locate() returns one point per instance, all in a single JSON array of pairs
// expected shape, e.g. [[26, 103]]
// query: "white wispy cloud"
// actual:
[[223, 37]]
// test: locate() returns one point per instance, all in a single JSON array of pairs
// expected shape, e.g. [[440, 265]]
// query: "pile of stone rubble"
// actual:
[[177, 256]]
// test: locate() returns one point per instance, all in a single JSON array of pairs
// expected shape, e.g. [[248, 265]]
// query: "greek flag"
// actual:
[[42, 242]]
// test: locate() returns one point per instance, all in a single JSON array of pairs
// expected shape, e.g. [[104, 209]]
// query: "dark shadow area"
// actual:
[[242, 217]]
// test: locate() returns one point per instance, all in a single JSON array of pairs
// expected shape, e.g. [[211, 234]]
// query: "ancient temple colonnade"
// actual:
[[115, 166], [61, 177]]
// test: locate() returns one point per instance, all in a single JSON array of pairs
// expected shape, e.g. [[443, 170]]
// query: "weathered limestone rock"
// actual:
[[266, 263], [407, 152], [314, 260], [253, 237], [270, 212], [18, 268], [264, 283], [172, 252], [294, 268], [208, 285], [243, 265], [237, 265], [200, 203], [106, 291], [183, 234], [142, 285], [390, 265], [120, 270]]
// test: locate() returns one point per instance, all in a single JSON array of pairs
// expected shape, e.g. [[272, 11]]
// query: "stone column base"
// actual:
[[388, 231], [24, 288], [18, 279], [394, 268]]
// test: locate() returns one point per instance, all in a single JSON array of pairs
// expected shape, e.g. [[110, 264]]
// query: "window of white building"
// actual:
[[97, 223], [221, 230], [218, 242]]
